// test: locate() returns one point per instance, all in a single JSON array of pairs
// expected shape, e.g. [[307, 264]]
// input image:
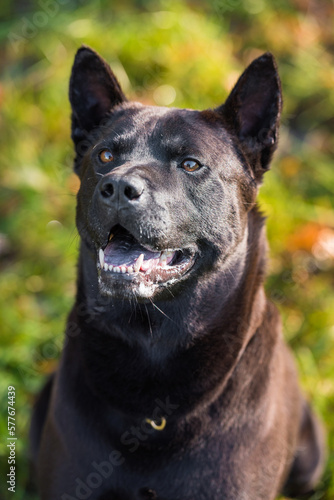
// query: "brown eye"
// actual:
[[190, 165], [106, 156]]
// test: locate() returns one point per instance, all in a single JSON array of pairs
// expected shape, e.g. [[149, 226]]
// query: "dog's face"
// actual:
[[165, 192]]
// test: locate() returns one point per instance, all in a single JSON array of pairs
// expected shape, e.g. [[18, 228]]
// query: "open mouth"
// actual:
[[125, 258]]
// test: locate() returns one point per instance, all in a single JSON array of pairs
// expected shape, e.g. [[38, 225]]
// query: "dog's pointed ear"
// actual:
[[94, 91], [253, 110]]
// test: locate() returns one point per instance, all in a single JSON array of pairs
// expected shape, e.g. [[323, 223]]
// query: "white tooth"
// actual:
[[163, 259], [123, 269], [101, 257], [111, 267], [117, 269], [106, 267], [130, 269], [138, 263]]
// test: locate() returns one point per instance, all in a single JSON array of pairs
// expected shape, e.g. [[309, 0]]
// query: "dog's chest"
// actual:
[[199, 470]]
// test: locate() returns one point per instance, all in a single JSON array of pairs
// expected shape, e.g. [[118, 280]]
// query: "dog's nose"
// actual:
[[121, 190]]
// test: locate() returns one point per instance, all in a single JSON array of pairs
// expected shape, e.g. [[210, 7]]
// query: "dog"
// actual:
[[174, 381]]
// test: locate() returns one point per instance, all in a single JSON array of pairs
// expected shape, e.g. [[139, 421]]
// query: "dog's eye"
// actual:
[[106, 156], [190, 165]]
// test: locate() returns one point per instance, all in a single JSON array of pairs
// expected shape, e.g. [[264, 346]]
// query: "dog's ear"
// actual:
[[253, 110], [94, 91]]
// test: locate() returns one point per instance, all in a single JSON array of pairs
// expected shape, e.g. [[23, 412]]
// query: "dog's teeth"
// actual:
[[146, 265], [111, 267], [101, 257], [130, 269], [138, 263], [123, 269], [163, 259], [106, 267], [117, 269], [170, 256]]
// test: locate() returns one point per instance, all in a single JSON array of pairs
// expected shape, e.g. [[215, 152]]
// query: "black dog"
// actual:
[[174, 382]]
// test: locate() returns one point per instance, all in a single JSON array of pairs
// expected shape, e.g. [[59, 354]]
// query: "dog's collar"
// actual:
[[156, 424]]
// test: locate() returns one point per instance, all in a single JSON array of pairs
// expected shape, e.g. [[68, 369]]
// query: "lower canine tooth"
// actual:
[[163, 259], [101, 257], [138, 263]]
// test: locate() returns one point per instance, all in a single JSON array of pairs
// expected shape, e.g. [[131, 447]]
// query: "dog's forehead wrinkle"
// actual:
[[129, 129], [167, 127], [149, 132], [177, 129], [143, 118]]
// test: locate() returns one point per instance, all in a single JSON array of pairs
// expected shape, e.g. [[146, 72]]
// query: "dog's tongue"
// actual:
[[124, 250]]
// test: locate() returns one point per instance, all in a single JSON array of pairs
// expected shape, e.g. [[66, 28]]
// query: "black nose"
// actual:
[[121, 190]]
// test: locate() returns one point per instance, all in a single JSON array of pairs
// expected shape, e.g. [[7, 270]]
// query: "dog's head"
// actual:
[[165, 193]]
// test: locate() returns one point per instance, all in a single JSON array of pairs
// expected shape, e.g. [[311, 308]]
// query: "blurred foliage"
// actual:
[[185, 54]]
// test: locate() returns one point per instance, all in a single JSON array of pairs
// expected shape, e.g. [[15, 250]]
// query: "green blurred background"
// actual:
[[178, 53]]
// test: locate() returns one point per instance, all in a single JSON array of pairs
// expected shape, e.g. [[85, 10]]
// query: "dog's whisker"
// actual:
[[73, 237], [149, 321], [156, 307]]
